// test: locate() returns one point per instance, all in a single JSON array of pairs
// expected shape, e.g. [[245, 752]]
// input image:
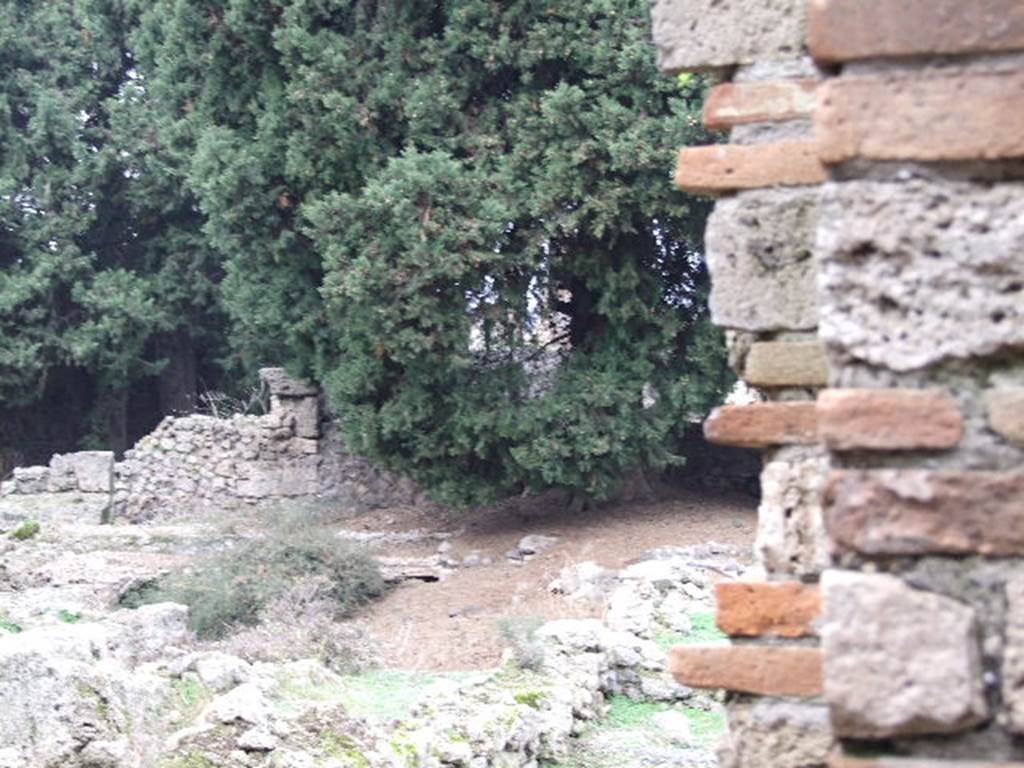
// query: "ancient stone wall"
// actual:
[[190, 464], [867, 259]]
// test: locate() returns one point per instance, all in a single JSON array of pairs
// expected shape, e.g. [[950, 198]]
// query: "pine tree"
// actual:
[[105, 277], [455, 214]]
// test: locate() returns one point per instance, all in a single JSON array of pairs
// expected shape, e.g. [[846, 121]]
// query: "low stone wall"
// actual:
[[192, 463]]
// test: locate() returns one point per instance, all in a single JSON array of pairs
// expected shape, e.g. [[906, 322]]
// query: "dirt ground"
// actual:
[[454, 624]]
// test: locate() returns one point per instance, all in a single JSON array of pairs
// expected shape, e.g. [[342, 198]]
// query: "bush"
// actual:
[[26, 530], [232, 588]]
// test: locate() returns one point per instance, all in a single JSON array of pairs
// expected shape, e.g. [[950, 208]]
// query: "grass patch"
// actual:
[[26, 530], [230, 588], [7, 625], [628, 714], [68, 617], [706, 728], [704, 629]]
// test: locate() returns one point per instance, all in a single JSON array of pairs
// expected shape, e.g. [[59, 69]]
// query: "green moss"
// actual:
[[69, 617], [704, 630], [628, 714], [706, 728], [342, 747], [187, 760], [530, 698], [405, 751], [26, 530], [7, 625]]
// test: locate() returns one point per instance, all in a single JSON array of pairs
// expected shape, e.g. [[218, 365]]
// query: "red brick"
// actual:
[[842, 30], [1006, 413], [786, 364], [888, 419], [721, 168], [784, 609], [921, 511], [766, 670], [928, 118], [839, 760], [760, 425], [732, 104]]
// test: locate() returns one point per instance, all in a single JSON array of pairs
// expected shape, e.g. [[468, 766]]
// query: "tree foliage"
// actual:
[[102, 258], [407, 194], [455, 214]]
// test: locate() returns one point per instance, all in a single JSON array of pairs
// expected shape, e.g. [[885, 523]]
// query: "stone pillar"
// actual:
[[867, 255]]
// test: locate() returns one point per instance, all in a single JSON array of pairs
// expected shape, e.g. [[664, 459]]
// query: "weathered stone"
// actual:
[[785, 609], [304, 414], [763, 669], [72, 508], [898, 661], [791, 533], [770, 733], [760, 425], [888, 419], [840, 31], [919, 272], [840, 760], [1006, 412], [719, 168], [922, 117], [786, 364], [283, 384], [1013, 656], [760, 254], [920, 511], [707, 34], [732, 104]]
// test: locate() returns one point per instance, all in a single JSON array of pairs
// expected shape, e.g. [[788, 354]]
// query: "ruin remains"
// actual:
[[867, 260]]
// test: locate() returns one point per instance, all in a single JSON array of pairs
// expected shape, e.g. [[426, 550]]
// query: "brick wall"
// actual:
[[867, 259]]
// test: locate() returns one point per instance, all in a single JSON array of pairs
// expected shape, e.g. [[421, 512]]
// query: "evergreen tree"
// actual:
[[456, 215], [105, 277]]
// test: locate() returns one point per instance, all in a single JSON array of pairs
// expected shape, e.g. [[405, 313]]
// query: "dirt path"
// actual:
[[454, 624]]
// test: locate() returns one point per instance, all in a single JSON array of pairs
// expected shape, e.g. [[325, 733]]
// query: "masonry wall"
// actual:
[[194, 464], [867, 258]]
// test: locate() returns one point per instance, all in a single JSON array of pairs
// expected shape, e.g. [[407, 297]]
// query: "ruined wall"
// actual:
[[867, 258], [192, 464]]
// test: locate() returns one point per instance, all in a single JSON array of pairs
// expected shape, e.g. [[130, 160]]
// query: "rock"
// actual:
[[918, 272], [282, 384], [791, 533], [758, 250], [778, 733], [245, 704], [584, 581], [898, 661], [150, 630], [257, 739], [673, 724], [536, 543], [220, 671], [61, 508], [1013, 658]]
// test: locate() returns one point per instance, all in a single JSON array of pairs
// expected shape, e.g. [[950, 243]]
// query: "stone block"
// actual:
[[761, 669], [760, 248], [898, 661], [63, 508], [270, 479], [840, 760], [921, 511], [773, 733], [1005, 409], [1013, 656], [791, 531], [760, 425], [783, 609], [93, 470], [31, 479], [720, 168], [786, 364], [303, 413], [731, 104], [283, 384], [839, 30], [711, 34], [938, 117], [888, 419], [920, 272]]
